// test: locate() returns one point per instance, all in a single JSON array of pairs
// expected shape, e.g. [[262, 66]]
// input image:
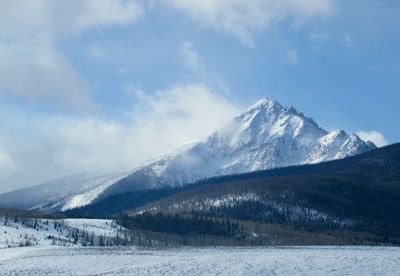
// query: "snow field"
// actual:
[[206, 261]]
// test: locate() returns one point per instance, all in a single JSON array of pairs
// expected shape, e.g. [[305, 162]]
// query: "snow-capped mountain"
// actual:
[[266, 135]]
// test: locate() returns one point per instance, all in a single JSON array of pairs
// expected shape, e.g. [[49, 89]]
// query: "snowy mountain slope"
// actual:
[[77, 189], [265, 136], [90, 195]]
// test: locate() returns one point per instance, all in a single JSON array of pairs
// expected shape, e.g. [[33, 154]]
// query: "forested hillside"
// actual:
[[355, 200]]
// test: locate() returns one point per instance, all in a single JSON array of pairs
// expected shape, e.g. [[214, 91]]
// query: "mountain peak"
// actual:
[[265, 103], [262, 111], [271, 106]]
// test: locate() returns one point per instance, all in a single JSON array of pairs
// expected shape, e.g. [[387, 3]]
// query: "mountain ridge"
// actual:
[[116, 204], [266, 135]]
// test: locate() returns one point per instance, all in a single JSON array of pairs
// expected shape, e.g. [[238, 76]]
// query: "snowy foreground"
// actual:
[[206, 261], [47, 247]]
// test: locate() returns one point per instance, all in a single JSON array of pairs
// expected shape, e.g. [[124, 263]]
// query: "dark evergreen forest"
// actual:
[[350, 201]]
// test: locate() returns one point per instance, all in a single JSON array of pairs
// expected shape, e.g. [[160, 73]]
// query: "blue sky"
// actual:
[[105, 85]]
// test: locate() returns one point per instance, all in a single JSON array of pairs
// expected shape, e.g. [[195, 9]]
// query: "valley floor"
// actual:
[[204, 261], [46, 247]]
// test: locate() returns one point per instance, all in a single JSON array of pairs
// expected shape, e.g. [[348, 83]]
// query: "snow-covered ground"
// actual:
[[207, 261], [18, 234], [99, 227], [44, 232], [43, 256]]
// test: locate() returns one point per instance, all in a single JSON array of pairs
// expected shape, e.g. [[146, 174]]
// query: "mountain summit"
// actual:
[[265, 136]]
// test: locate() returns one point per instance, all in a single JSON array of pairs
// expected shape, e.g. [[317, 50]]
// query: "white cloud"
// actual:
[[181, 114], [7, 165], [89, 14], [193, 62], [59, 18], [96, 52], [291, 56], [191, 57], [348, 41], [319, 37], [62, 145], [244, 18], [31, 66], [39, 71], [374, 136]]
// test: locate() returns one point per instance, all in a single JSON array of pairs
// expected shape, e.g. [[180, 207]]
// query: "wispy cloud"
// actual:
[[319, 37], [7, 165], [95, 52], [194, 63], [38, 71], [374, 136], [291, 56], [348, 41], [192, 59], [64, 18], [31, 66], [245, 18], [62, 145]]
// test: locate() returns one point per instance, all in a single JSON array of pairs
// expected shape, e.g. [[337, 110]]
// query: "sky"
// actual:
[[101, 86]]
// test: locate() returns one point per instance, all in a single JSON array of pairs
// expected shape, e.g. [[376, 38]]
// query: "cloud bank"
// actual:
[[45, 147]]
